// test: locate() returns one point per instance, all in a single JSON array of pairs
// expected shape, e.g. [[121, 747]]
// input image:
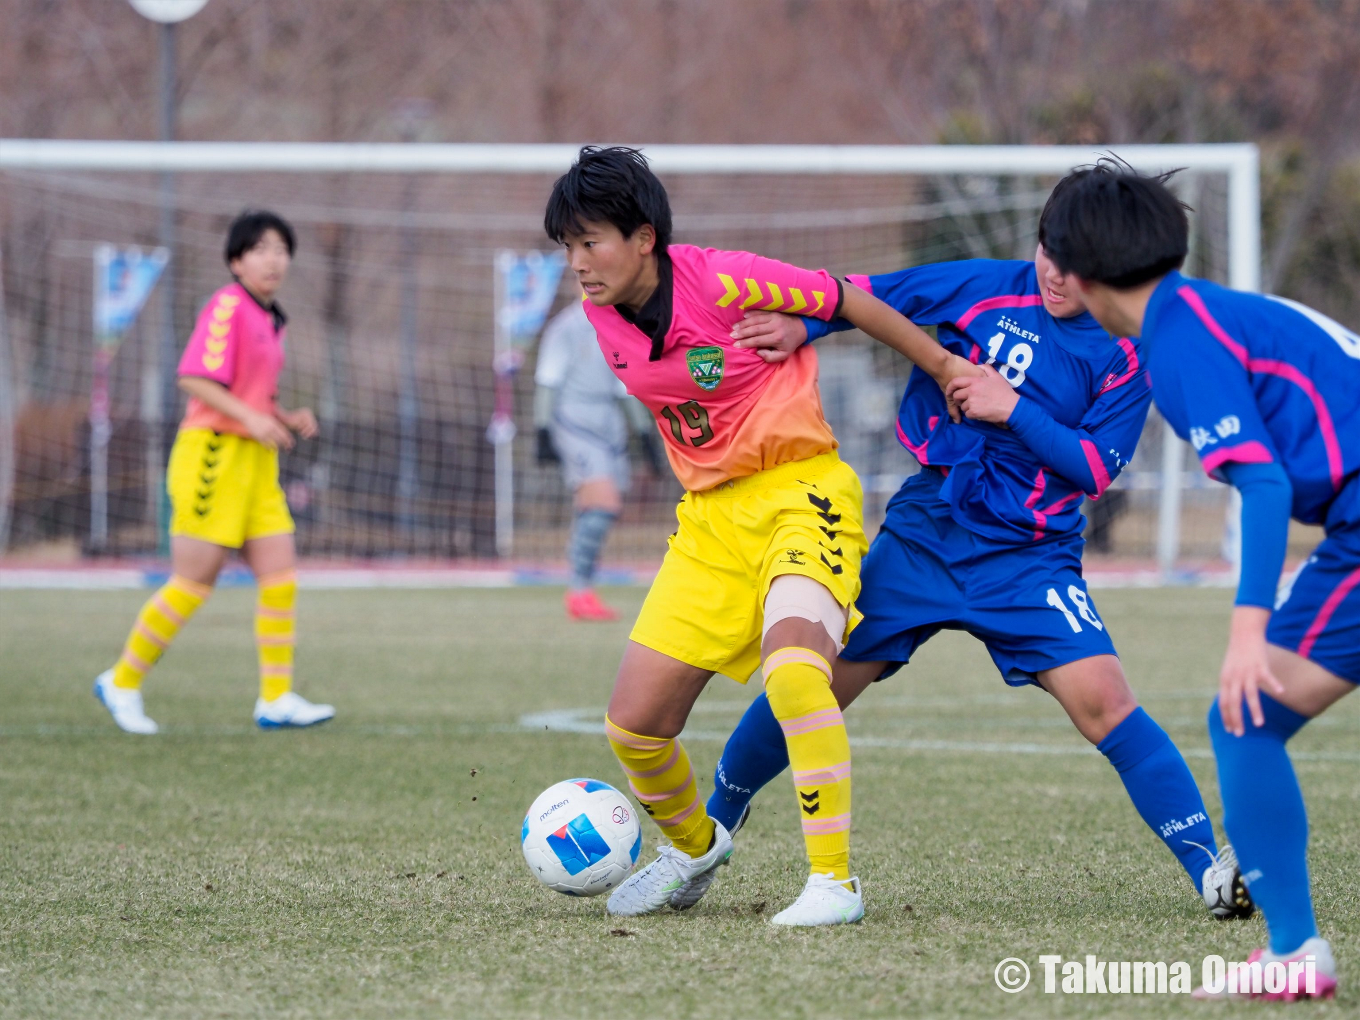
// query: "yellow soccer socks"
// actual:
[[662, 778], [157, 624], [275, 632], [798, 685]]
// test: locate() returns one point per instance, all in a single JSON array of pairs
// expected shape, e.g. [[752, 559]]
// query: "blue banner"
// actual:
[[529, 285], [123, 279]]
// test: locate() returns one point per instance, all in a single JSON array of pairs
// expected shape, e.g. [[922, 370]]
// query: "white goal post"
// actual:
[[1238, 163]]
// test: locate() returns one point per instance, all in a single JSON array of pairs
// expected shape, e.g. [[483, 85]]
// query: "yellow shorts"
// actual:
[[707, 604], [224, 489]]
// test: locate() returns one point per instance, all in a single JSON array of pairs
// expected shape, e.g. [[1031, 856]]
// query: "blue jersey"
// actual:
[[1258, 380], [1067, 371]]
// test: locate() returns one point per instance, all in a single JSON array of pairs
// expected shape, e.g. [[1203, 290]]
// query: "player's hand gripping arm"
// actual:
[[893, 329], [263, 428]]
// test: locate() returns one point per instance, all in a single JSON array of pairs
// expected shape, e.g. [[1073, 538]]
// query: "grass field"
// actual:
[[371, 868]]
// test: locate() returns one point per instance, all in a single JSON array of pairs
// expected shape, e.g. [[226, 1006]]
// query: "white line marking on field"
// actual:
[[590, 721]]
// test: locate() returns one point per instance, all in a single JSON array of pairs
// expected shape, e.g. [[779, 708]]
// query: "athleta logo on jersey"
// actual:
[[705, 367], [1011, 326]]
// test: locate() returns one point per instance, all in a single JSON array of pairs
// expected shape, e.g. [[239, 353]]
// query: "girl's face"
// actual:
[[261, 269], [1061, 295]]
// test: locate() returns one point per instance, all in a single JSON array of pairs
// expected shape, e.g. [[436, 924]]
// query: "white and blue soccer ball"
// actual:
[[581, 837]]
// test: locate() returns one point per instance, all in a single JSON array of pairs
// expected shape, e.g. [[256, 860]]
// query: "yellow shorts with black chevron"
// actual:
[[706, 606], [224, 489]]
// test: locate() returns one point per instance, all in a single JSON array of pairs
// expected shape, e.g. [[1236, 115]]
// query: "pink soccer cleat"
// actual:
[[586, 605], [1315, 955]]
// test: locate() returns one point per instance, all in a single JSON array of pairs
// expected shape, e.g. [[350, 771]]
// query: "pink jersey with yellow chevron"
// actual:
[[234, 343], [723, 412]]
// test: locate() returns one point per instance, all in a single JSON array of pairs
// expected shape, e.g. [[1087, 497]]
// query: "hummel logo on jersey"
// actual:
[[617, 362], [1011, 326], [812, 802], [795, 557]]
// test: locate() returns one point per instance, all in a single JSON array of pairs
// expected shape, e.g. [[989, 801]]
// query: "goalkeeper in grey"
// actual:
[[583, 416]]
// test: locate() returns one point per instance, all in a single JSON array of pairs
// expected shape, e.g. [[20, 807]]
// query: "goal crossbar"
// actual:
[[1238, 161]]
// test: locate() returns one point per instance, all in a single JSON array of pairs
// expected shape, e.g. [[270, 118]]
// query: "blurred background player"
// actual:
[[223, 481], [764, 564], [583, 416], [987, 538], [1266, 391]]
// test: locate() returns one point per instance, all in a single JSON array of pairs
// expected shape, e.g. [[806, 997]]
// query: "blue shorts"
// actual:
[[1317, 614], [925, 573]]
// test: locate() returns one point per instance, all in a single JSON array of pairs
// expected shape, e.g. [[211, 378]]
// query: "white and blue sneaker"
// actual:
[[124, 704], [693, 891], [823, 901], [290, 711], [650, 889]]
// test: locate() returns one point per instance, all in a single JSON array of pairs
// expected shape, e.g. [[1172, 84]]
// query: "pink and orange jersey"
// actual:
[[722, 411], [239, 343]]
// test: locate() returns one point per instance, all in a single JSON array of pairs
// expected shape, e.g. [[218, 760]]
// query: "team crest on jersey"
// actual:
[[705, 367]]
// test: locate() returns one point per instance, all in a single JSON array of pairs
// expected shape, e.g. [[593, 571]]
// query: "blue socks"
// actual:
[[754, 755], [1162, 789], [1264, 816], [588, 533], [1154, 773]]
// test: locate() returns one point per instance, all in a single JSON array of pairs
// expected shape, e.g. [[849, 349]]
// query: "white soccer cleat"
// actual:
[[1224, 892], [693, 891], [823, 901], [290, 710], [1316, 950], [124, 704], [650, 889]]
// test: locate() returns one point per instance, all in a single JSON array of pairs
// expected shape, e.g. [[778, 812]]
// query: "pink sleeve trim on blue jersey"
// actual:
[[861, 281], [1281, 369], [1098, 472], [1000, 301], [1250, 452], [1131, 353], [919, 452], [1032, 504]]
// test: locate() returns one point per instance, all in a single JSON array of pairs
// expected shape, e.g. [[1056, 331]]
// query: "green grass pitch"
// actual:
[[372, 869]]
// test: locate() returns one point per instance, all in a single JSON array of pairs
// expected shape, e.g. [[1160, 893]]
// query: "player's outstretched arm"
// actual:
[[889, 326]]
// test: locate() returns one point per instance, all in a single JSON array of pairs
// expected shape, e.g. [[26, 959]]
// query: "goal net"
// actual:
[[391, 327]]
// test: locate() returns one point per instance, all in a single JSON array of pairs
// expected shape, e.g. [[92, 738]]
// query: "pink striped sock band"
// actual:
[[276, 671], [274, 580], [820, 777], [274, 640], [794, 655], [657, 798], [135, 662], [164, 608], [637, 742], [201, 591], [820, 719], [151, 635], [649, 773], [270, 613], [828, 826], [678, 819]]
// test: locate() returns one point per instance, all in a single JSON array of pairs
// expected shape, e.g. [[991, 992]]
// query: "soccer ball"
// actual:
[[581, 837]]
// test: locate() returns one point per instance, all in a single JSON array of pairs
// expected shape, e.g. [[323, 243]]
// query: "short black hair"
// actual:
[[247, 229], [609, 185], [1110, 224]]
